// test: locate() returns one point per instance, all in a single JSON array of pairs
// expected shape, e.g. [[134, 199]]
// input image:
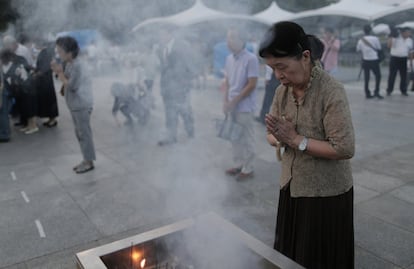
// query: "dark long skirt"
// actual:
[[316, 232], [4, 117], [47, 106]]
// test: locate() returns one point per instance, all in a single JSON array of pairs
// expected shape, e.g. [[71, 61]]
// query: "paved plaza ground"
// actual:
[[48, 213]]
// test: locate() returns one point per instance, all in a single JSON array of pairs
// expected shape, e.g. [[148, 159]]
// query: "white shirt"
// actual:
[[369, 53], [25, 53], [401, 47]]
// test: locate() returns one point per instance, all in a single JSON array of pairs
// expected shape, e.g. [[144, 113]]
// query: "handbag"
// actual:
[[228, 129], [380, 52], [381, 55]]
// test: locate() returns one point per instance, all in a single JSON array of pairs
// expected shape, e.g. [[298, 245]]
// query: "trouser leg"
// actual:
[[83, 131], [186, 113], [171, 119], [377, 73], [244, 150], [392, 74], [366, 68]]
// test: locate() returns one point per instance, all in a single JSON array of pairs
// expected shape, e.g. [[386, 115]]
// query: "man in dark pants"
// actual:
[[400, 45], [271, 84], [175, 83], [369, 46]]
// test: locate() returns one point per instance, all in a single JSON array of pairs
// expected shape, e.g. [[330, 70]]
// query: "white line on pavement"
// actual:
[[24, 195], [13, 175], [40, 228]]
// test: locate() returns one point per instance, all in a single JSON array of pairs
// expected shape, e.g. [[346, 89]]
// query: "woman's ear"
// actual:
[[306, 54]]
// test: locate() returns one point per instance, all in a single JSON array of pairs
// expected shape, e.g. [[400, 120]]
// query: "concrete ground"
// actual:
[[48, 213]]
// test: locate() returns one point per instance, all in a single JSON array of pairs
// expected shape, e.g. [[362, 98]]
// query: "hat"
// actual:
[[284, 39]]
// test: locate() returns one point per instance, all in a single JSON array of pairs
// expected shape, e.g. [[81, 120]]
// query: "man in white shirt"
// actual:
[[369, 46], [11, 43], [400, 46]]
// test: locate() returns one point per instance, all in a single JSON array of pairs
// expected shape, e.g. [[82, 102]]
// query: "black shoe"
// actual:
[[388, 93], [369, 96], [4, 140], [18, 123], [166, 142], [404, 94], [379, 96]]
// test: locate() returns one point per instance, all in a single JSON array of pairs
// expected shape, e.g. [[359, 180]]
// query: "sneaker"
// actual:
[[31, 131]]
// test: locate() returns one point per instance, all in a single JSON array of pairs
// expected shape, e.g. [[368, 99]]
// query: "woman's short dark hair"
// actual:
[[284, 39], [317, 47], [69, 45]]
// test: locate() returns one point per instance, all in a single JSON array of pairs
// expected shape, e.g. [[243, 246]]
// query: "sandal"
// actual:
[[233, 171], [76, 166], [84, 167]]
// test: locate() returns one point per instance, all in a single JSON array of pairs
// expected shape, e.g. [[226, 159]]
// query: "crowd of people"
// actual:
[[28, 90], [305, 111], [400, 45]]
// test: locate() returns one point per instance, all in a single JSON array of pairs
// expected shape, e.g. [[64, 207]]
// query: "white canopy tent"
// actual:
[[406, 5], [367, 10], [273, 14], [195, 14], [409, 24], [361, 9]]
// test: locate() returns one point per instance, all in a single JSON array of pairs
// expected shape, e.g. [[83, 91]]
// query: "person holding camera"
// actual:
[[400, 44]]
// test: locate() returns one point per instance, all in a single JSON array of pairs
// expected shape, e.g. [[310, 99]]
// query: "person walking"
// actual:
[[310, 117], [240, 98], [369, 45], [77, 90]]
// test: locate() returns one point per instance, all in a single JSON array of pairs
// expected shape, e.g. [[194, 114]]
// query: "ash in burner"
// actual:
[[179, 251]]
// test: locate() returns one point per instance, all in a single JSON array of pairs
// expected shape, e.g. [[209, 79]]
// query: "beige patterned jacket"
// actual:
[[322, 114]]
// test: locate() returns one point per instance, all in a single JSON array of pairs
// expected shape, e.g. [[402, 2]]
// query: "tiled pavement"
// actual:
[[138, 186]]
